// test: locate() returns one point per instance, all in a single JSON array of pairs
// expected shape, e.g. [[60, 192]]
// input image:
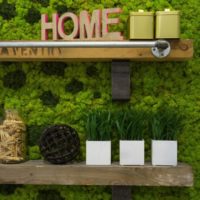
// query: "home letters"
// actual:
[[84, 26]]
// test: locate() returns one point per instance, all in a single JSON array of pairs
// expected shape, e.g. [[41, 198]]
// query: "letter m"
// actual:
[[90, 27]]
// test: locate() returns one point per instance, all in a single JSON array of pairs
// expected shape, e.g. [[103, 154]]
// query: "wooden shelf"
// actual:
[[181, 50], [40, 172]]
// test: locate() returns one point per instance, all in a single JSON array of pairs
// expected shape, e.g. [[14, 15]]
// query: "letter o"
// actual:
[[61, 21]]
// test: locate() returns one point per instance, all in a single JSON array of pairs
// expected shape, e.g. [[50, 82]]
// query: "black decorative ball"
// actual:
[[59, 144]]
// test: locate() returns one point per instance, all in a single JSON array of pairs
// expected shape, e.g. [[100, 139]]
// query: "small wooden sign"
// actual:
[[85, 26]]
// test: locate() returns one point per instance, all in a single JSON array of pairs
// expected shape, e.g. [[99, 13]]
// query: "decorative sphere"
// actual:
[[59, 144]]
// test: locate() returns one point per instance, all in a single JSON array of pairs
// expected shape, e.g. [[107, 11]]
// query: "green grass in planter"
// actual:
[[98, 125], [130, 124], [165, 124]]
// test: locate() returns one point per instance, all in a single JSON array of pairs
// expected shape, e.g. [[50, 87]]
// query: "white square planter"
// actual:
[[98, 152], [164, 152], [131, 152]]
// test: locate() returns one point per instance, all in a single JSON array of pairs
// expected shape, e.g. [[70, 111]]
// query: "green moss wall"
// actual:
[[51, 93]]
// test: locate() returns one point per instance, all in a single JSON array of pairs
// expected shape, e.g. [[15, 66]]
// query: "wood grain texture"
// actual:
[[181, 50], [40, 172]]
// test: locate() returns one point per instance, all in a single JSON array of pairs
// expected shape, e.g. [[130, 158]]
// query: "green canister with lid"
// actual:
[[141, 25], [167, 24]]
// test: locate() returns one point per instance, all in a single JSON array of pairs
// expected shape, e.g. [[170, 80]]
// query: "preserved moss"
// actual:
[[92, 71], [97, 95], [14, 80], [6, 64], [44, 3], [34, 132], [34, 152], [174, 83], [49, 99], [60, 9], [7, 10], [2, 112], [8, 189], [33, 16], [49, 194], [74, 86], [54, 68]]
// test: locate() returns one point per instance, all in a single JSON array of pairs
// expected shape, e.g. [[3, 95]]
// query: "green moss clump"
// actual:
[[14, 80], [54, 68], [44, 3], [7, 10], [33, 16], [8, 189], [34, 132], [92, 71], [2, 111], [49, 195], [74, 86], [49, 99], [6, 64], [34, 153], [63, 7], [60, 8], [97, 95]]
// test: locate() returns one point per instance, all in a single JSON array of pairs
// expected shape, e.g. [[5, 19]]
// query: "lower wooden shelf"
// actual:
[[40, 172]]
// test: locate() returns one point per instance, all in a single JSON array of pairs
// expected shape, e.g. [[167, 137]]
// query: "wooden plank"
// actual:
[[120, 80], [39, 172], [121, 193], [181, 50]]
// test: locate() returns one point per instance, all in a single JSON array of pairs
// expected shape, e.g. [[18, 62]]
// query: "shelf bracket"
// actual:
[[121, 193], [162, 49], [120, 80]]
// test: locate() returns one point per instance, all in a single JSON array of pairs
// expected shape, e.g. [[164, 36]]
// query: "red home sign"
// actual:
[[85, 26]]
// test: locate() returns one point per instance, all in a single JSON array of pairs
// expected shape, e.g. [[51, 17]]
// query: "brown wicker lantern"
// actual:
[[12, 139]]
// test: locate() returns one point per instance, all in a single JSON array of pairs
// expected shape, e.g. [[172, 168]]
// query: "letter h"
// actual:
[[48, 26]]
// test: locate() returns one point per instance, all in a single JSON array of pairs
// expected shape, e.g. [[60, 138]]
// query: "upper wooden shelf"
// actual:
[[40, 172], [181, 50]]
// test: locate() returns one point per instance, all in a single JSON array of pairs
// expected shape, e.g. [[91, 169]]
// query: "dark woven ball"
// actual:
[[59, 144]]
